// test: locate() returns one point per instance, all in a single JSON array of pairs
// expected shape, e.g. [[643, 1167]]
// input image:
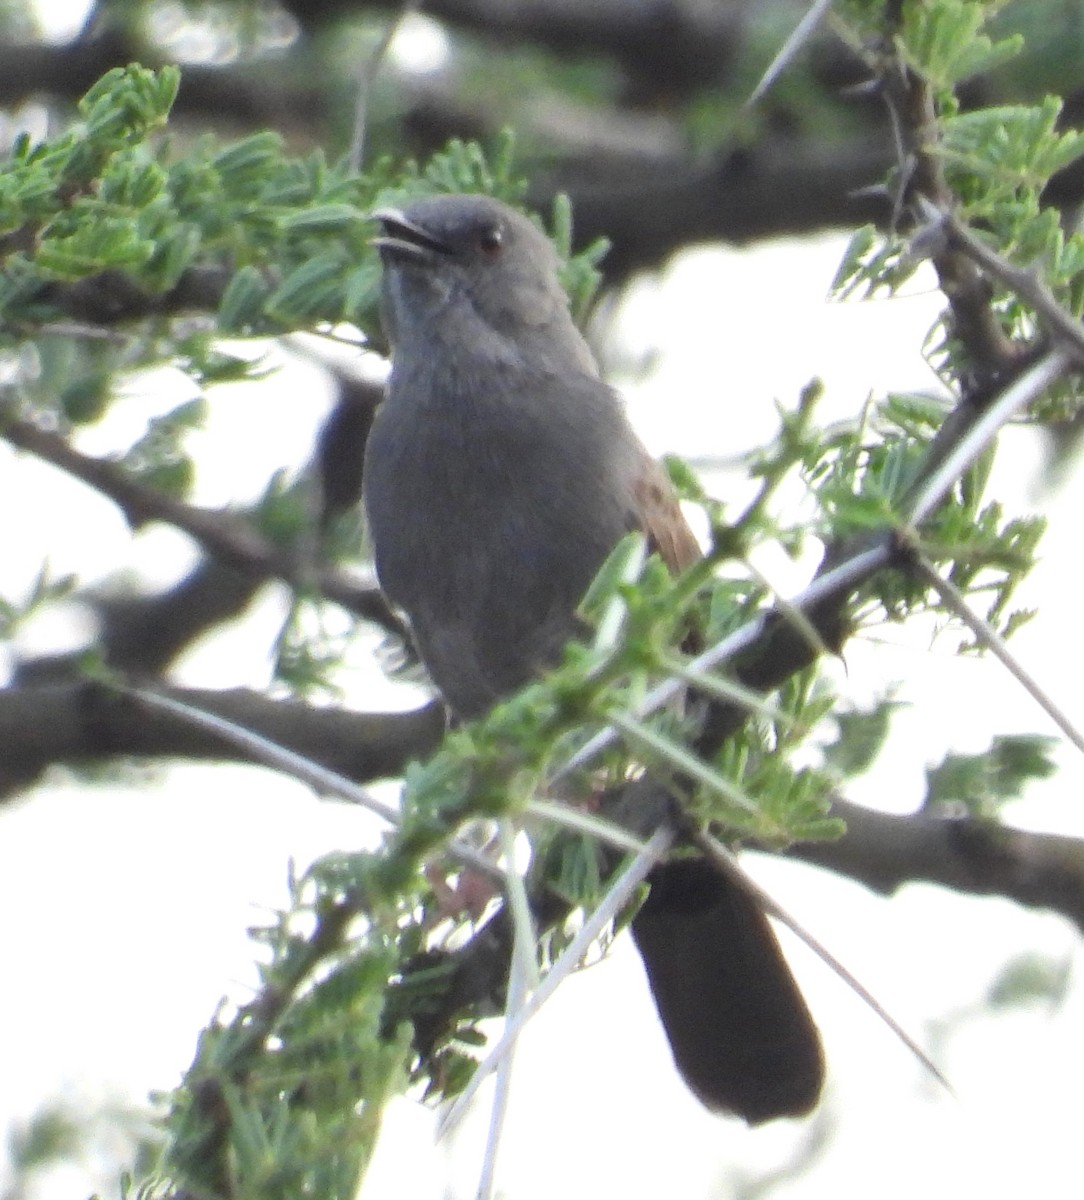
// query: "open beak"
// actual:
[[403, 238]]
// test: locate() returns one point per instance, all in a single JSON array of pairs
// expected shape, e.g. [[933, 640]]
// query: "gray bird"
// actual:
[[499, 474], [501, 471]]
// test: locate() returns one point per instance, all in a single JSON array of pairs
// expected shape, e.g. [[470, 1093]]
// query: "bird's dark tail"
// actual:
[[738, 1027]]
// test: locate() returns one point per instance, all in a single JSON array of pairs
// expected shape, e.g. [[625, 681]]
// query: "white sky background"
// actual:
[[125, 906]]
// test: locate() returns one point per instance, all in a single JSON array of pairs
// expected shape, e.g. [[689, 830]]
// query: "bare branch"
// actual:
[[88, 722], [989, 351], [1058, 321], [111, 297], [885, 851], [223, 534], [988, 636]]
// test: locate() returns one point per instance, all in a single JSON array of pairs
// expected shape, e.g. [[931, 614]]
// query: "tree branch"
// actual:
[[989, 350], [784, 184], [1058, 321], [111, 297], [228, 537], [87, 723], [141, 635], [883, 851]]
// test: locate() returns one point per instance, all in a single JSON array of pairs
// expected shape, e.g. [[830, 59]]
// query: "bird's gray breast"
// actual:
[[491, 508]]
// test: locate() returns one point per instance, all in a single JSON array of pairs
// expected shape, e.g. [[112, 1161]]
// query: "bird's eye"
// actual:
[[491, 241]]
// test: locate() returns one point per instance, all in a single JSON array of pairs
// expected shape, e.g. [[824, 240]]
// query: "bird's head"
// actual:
[[456, 261]]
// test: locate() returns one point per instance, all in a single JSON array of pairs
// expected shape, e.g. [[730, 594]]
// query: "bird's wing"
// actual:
[[661, 518]]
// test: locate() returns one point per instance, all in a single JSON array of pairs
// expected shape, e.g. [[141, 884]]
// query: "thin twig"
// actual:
[[367, 77], [989, 637], [1028, 387], [305, 770], [1066, 328], [852, 571], [224, 534], [921, 177], [615, 899], [268, 753], [519, 988]]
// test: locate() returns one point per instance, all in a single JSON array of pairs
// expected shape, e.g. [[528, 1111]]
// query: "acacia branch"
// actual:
[[91, 723], [772, 649], [111, 297], [783, 183], [1061, 324], [885, 852], [225, 535], [989, 351], [88, 722]]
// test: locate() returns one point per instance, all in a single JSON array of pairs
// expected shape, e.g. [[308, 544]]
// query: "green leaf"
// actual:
[[127, 102], [242, 305], [325, 216], [982, 783], [1028, 978], [158, 459], [1008, 148], [84, 400], [861, 736], [310, 290], [44, 589], [51, 1135], [248, 159], [943, 39]]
